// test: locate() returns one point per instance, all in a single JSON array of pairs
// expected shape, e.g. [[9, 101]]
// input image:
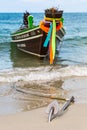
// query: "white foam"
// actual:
[[41, 74]]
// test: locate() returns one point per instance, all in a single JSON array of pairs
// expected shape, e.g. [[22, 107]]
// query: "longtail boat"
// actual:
[[42, 39]]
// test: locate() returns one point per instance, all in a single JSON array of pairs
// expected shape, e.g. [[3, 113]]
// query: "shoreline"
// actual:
[[32, 96], [74, 119]]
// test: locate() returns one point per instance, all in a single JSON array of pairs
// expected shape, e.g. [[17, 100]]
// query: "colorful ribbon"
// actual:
[[51, 40], [54, 38], [48, 36]]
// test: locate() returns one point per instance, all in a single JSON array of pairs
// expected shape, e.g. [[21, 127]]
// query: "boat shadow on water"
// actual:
[[21, 59]]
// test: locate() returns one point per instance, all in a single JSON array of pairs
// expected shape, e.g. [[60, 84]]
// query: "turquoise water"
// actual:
[[17, 66], [73, 51]]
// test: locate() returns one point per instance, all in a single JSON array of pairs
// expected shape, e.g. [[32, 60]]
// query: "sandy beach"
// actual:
[[74, 119], [28, 84]]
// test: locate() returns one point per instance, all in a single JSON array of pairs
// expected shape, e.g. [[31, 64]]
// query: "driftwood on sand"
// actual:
[[54, 111]]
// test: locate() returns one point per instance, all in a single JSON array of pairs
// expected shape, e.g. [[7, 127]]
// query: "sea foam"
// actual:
[[41, 74]]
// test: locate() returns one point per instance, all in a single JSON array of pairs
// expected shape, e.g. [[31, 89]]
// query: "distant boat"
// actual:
[[35, 40]]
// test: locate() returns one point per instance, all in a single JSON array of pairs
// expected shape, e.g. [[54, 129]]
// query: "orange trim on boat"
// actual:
[[46, 29], [59, 26]]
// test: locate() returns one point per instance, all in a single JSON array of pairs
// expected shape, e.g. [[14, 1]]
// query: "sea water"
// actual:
[[18, 67]]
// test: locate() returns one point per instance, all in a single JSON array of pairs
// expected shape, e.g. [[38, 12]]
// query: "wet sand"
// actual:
[[76, 86], [23, 96], [74, 119]]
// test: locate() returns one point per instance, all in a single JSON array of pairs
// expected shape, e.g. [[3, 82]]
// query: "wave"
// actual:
[[41, 74], [75, 38]]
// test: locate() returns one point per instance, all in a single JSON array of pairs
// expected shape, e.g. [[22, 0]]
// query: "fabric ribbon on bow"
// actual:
[[51, 40]]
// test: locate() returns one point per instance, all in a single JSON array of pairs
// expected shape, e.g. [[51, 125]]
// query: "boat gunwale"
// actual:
[[26, 31], [29, 38]]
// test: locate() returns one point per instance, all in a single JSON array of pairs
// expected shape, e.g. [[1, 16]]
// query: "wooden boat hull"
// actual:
[[31, 41]]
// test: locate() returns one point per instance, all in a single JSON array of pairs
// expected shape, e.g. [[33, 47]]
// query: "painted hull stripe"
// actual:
[[32, 53], [25, 32], [29, 38], [62, 31], [59, 38]]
